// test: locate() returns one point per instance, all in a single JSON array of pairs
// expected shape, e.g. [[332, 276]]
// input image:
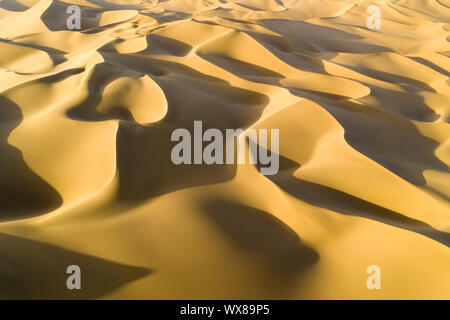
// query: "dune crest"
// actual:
[[363, 116]]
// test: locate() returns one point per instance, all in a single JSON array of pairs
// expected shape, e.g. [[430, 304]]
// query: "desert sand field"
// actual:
[[361, 103]]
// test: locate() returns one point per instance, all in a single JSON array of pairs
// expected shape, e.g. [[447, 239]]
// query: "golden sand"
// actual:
[[87, 179]]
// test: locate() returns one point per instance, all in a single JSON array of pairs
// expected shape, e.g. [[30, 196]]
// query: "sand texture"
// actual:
[[86, 176]]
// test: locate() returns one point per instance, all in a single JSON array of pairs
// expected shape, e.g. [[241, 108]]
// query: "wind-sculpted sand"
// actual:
[[86, 176]]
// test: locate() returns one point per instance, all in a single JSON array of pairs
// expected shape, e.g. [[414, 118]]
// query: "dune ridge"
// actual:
[[85, 123]]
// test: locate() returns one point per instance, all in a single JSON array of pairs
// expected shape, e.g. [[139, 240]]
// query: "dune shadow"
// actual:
[[406, 83], [263, 236], [167, 16], [406, 104], [55, 17], [306, 36], [431, 65], [304, 60], [22, 192], [344, 203], [144, 153], [114, 6], [56, 55], [36, 270], [13, 5], [301, 57], [242, 69], [145, 168], [87, 110], [391, 140], [144, 165], [162, 45]]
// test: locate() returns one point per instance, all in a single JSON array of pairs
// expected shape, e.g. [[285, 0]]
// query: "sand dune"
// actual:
[[86, 118]]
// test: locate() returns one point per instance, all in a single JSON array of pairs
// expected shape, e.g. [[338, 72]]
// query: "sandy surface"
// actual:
[[87, 179]]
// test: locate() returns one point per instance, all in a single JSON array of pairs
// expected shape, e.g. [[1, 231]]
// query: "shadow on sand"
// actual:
[[22, 192], [35, 270], [332, 199]]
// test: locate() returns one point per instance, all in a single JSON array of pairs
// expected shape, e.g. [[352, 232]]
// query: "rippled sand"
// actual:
[[86, 175]]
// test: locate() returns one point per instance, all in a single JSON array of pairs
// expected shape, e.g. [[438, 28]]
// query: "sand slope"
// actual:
[[86, 176]]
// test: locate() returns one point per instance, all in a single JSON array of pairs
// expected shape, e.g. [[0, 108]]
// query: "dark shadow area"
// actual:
[[260, 234], [167, 46], [302, 56], [22, 192], [167, 16], [56, 55], [36, 270], [12, 5], [246, 6], [61, 76], [304, 36], [114, 6], [431, 65], [332, 199], [264, 240], [191, 95], [55, 17], [145, 167], [284, 50], [405, 104], [313, 93], [103, 75], [143, 153], [408, 84], [388, 139], [243, 69]]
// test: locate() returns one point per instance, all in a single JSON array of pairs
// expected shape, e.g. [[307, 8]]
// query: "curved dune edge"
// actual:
[[85, 124]]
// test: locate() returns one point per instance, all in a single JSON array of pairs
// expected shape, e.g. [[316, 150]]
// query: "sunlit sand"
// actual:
[[86, 176]]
